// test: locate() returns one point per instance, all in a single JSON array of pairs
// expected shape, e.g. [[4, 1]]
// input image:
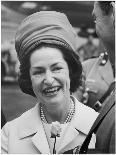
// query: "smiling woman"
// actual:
[[51, 71], [50, 77]]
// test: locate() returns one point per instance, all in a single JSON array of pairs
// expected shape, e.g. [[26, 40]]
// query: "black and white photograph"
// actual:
[[58, 77]]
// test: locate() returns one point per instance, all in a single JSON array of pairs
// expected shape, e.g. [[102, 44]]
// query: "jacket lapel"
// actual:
[[78, 128], [33, 128], [40, 141], [69, 136]]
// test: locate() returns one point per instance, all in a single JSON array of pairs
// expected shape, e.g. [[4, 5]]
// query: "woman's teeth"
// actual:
[[51, 91]]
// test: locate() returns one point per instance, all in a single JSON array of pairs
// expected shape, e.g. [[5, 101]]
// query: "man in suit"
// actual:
[[104, 126]]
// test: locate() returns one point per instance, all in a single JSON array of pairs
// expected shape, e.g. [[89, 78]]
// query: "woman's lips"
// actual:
[[49, 91]]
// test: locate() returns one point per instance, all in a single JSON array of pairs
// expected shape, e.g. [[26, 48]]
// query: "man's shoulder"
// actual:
[[90, 61]]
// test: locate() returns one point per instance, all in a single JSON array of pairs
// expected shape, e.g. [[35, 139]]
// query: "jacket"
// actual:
[[98, 79], [106, 130], [26, 135], [104, 127]]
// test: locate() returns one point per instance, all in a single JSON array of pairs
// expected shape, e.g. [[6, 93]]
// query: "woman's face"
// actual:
[[49, 74]]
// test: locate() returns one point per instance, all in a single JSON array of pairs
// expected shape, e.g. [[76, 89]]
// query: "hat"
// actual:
[[44, 27]]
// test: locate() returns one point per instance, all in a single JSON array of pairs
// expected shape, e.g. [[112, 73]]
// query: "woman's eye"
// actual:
[[38, 72], [57, 68]]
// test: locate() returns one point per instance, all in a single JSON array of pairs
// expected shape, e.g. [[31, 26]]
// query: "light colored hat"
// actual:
[[44, 26]]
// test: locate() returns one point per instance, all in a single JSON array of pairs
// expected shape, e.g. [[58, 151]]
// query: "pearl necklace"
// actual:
[[68, 118]]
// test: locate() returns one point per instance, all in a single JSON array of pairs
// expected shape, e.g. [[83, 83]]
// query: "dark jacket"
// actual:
[[105, 135], [104, 127]]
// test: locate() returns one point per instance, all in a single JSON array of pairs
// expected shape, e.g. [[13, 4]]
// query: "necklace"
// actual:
[[68, 118]]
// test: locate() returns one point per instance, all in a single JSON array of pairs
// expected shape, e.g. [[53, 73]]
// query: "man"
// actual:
[[99, 72], [104, 126]]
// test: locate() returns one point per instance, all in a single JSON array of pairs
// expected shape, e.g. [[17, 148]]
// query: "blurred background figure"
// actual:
[[87, 50], [99, 76], [8, 65]]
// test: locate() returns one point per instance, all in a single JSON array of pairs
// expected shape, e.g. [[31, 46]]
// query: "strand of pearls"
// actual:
[[42, 115], [68, 118]]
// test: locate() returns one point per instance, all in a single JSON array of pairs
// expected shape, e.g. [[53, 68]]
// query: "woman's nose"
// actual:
[[48, 80]]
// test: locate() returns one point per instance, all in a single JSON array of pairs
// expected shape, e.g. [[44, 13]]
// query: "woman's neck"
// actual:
[[58, 113]]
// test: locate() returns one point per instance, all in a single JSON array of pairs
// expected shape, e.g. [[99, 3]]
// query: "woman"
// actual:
[[50, 70]]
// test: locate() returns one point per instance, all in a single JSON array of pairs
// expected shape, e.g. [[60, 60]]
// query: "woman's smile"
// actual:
[[51, 91]]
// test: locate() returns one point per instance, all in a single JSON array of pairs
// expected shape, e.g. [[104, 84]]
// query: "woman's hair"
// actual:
[[72, 59]]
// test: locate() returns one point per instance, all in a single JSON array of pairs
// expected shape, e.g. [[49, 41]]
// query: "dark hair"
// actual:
[[105, 6], [72, 59]]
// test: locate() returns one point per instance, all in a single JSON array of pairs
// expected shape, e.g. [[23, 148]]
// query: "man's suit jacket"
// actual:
[[105, 135], [26, 135], [104, 127]]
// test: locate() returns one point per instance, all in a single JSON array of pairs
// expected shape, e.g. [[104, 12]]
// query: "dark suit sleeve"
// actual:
[[112, 141]]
